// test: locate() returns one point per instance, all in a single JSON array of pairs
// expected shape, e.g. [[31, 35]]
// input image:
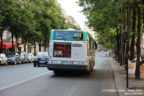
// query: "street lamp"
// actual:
[[127, 41]]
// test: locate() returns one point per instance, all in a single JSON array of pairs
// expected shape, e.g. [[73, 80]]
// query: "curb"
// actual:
[[117, 78]]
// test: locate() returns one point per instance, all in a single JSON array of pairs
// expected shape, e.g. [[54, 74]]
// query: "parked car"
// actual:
[[3, 59], [41, 59], [23, 57], [13, 58], [30, 57]]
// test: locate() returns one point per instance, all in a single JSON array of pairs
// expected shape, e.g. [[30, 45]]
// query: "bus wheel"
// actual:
[[56, 72], [87, 72]]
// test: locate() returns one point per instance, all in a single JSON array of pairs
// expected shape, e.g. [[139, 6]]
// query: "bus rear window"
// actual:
[[68, 35], [62, 49]]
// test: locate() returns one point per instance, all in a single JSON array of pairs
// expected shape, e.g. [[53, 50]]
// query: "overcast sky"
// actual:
[[72, 9]]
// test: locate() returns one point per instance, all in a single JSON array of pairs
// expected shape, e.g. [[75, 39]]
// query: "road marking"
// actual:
[[23, 81]]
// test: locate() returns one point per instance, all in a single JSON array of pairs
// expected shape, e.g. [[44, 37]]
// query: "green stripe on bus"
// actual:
[[52, 35], [84, 36]]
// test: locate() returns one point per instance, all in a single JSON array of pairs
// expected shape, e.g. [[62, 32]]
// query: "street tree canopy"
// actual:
[[31, 20]]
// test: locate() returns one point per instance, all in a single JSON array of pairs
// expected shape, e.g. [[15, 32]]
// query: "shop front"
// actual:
[[7, 46]]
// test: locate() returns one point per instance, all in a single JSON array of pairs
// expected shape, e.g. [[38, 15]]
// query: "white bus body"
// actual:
[[70, 55]]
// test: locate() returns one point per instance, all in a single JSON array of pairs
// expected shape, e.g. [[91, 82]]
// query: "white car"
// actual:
[[30, 57], [3, 59]]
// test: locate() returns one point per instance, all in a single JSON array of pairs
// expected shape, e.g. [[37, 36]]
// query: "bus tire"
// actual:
[[88, 72], [56, 72]]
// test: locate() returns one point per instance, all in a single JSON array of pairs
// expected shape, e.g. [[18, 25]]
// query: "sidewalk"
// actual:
[[136, 87]]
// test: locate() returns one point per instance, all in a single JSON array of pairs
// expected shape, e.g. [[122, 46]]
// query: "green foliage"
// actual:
[[32, 20], [104, 15], [107, 38]]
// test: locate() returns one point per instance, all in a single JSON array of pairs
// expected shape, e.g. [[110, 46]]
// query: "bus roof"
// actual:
[[66, 30]]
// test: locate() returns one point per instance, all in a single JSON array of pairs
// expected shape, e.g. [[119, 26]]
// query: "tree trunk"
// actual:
[[121, 47], [40, 46], [25, 46], [133, 34], [34, 47], [17, 44], [143, 12], [28, 46], [139, 29], [13, 50], [45, 44], [45, 48], [118, 39]]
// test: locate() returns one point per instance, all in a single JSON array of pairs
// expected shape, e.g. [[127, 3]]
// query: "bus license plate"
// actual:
[[67, 62]]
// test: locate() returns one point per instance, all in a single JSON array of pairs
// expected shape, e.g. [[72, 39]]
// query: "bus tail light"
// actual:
[[83, 62]]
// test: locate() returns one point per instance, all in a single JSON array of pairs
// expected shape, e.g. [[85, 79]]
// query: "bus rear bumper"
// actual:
[[66, 67]]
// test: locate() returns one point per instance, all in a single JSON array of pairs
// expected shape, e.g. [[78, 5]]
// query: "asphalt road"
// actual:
[[25, 80]]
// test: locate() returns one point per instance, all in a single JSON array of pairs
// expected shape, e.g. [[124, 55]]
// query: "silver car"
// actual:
[[3, 59], [23, 57], [13, 58]]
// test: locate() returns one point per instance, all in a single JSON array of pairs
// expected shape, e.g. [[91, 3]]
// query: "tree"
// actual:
[[139, 32], [116, 14], [31, 20], [103, 17]]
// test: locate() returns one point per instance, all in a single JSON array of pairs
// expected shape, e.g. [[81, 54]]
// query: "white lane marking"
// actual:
[[23, 81]]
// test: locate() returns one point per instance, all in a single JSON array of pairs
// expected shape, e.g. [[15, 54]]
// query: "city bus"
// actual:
[[71, 50]]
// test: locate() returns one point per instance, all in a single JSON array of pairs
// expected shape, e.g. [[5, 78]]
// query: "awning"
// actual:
[[8, 44]]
